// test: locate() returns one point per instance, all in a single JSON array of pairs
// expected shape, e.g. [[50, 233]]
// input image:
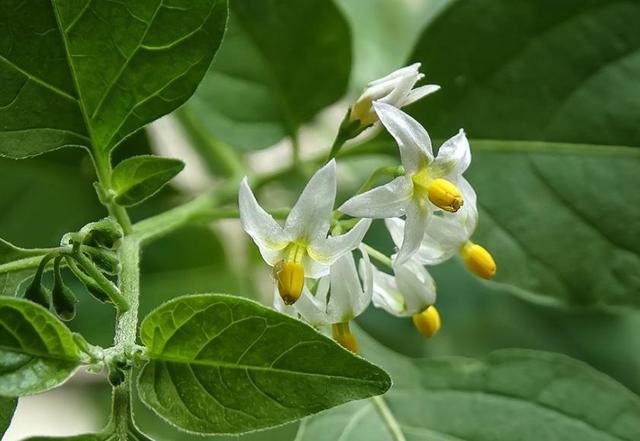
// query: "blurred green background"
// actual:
[[548, 93]]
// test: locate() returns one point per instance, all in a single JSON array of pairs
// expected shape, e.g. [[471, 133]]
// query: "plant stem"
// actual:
[[218, 156], [201, 209], [129, 283], [388, 418], [103, 170], [109, 288], [121, 408], [380, 257]]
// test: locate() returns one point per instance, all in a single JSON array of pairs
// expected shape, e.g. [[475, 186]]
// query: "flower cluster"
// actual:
[[321, 267]]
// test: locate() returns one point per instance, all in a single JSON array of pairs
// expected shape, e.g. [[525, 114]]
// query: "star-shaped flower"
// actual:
[[302, 248], [428, 182]]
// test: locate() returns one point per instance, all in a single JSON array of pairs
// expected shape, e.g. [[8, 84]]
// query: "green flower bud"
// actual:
[[106, 260], [36, 292], [103, 233], [64, 301]]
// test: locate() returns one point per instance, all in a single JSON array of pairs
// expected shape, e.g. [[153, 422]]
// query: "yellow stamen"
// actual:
[[445, 195], [478, 260], [342, 334], [290, 276], [428, 321]]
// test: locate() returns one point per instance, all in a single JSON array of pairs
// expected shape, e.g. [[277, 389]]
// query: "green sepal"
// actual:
[[92, 287], [103, 233], [138, 178], [36, 292], [64, 301], [106, 260]]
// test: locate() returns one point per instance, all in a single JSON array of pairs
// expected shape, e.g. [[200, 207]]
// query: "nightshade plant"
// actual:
[[92, 74]]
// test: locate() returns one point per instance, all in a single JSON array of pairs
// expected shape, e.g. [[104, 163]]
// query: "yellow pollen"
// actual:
[[342, 334], [427, 322], [290, 276], [445, 195], [478, 260]]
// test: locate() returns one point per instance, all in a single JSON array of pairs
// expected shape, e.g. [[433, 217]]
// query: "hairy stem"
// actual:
[[129, 284], [388, 418], [103, 170]]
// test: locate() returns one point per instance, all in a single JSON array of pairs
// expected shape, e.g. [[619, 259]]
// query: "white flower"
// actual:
[[395, 89], [411, 292], [426, 179], [445, 233], [341, 296], [448, 234], [300, 249]]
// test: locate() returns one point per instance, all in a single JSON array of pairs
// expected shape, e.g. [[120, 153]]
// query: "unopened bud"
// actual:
[[478, 260], [427, 322], [290, 277], [342, 334], [64, 302], [445, 195], [36, 292]]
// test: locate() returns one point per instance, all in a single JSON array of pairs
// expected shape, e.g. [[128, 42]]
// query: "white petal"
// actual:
[[454, 156], [388, 200], [416, 222], [327, 251], [419, 93], [416, 286], [400, 88], [412, 138], [259, 224], [280, 306], [386, 294], [348, 298], [411, 70], [313, 268], [313, 308], [310, 217], [396, 230]]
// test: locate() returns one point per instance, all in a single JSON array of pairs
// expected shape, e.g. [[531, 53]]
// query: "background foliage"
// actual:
[[548, 94]]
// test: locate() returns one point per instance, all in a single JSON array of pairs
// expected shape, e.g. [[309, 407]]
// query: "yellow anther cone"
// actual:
[[342, 334], [445, 195], [478, 260], [290, 276], [427, 322]]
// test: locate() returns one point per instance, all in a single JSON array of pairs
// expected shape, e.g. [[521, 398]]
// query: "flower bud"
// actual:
[[290, 277], [36, 292], [427, 322], [106, 260], [445, 195], [103, 233], [478, 260], [64, 302], [342, 334]]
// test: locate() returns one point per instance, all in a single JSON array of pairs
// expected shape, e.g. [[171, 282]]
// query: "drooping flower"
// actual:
[[395, 89], [448, 234], [410, 292], [339, 297], [302, 248], [428, 182]]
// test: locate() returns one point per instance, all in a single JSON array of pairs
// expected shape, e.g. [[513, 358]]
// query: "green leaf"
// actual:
[[507, 395], [560, 220], [92, 73], [140, 177], [16, 265], [7, 408], [37, 352], [282, 61], [544, 70], [222, 364]]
